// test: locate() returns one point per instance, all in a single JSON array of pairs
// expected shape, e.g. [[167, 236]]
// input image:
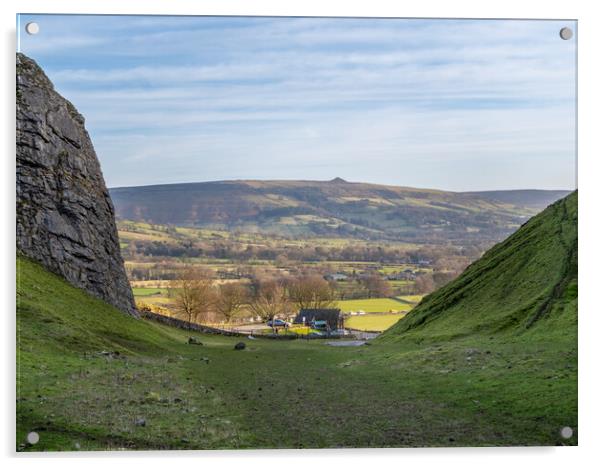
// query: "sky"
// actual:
[[460, 105]]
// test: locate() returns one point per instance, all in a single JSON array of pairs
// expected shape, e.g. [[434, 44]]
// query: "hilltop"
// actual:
[[336, 208], [524, 286]]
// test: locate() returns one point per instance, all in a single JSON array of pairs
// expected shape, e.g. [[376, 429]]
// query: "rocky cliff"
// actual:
[[65, 217]]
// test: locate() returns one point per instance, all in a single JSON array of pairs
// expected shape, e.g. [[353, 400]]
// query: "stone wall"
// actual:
[[179, 323]]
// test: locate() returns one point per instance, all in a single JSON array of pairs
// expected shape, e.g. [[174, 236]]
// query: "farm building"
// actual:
[[405, 275], [332, 317], [337, 277]]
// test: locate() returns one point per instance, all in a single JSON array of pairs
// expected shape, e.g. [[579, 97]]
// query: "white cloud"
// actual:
[[430, 103]]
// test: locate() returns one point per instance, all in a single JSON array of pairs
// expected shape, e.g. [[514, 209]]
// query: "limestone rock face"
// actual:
[[65, 217]]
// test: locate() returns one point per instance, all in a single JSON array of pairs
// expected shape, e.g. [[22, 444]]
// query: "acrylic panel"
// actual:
[[295, 232]]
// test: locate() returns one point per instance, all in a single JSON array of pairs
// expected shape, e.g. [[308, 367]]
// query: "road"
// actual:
[[250, 328], [256, 328]]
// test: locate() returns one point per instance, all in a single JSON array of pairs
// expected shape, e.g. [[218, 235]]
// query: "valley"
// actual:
[[380, 316], [383, 278], [489, 358], [364, 268], [98, 380]]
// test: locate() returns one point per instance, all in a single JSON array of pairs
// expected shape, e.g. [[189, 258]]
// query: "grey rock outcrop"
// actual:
[[65, 217]]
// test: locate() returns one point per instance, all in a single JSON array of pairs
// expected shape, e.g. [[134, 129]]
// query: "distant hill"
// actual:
[[332, 208], [527, 282], [526, 198]]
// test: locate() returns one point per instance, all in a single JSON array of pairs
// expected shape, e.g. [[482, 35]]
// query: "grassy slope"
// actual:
[[273, 394], [69, 392], [525, 286]]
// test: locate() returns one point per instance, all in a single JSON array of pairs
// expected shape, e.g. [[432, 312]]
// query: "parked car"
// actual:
[[278, 323], [319, 325]]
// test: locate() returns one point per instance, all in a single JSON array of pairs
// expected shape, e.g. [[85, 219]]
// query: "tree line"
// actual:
[[197, 298], [241, 252]]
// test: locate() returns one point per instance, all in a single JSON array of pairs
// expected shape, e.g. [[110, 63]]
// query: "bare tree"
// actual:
[[270, 301], [230, 299], [311, 292], [193, 293], [424, 284], [376, 286]]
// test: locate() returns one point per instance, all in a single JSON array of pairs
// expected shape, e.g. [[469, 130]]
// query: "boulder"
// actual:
[[140, 422], [240, 346]]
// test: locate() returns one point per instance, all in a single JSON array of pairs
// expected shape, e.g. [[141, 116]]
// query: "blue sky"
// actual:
[[460, 105]]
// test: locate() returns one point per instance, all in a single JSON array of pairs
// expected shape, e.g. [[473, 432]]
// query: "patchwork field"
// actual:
[[335, 208], [395, 309]]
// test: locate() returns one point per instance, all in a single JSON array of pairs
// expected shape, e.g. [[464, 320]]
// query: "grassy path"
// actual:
[[278, 394]]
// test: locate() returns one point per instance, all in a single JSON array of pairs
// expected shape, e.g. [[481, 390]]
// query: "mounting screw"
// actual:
[[33, 438], [566, 432], [566, 33], [32, 28]]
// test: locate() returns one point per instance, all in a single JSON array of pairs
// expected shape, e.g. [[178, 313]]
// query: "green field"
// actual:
[[286, 394], [372, 323], [159, 297], [154, 300], [152, 296], [411, 298], [149, 291], [373, 305]]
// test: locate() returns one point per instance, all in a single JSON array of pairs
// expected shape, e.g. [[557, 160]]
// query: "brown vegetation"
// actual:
[[231, 298], [193, 294], [270, 301], [311, 292]]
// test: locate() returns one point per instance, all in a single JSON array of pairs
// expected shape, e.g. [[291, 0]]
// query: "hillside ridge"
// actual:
[[336, 208], [527, 281]]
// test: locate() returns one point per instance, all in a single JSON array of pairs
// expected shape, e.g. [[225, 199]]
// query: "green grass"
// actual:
[[525, 285], [149, 291], [415, 298], [299, 329], [278, 394], [373, 305], [152, 296], [372, 323]]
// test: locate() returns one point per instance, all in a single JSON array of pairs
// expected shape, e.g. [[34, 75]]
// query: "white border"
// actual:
[[590, 231]]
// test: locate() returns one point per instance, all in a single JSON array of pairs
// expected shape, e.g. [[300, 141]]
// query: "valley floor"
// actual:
[[91, 378]]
